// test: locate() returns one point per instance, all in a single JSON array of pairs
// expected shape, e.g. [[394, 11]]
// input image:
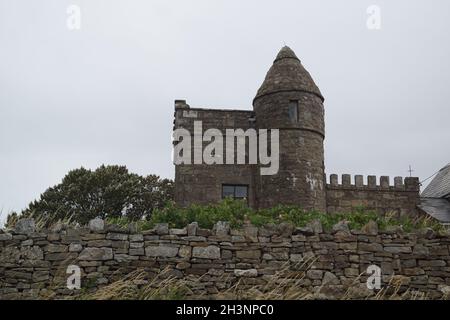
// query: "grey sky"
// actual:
[[104, 94]]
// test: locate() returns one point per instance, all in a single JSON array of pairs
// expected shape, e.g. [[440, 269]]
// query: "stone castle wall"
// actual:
[[401, 198], [33, 263], [202, 183]]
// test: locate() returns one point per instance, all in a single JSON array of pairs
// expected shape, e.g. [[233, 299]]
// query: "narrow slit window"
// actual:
[[293, 110]]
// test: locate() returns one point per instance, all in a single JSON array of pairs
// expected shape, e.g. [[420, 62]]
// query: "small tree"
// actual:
[[108, 192]]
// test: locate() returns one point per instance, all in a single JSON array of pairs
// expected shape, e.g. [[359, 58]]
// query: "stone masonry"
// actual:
[[290, 101], [400, 198], [33, 262]]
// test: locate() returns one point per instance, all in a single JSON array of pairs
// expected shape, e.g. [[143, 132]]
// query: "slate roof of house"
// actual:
[[439, 187], [288, 74], [438, 208]]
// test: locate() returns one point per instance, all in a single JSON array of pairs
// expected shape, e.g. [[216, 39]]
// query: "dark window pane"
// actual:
[[227, 191], [241, 192], [293, 108]]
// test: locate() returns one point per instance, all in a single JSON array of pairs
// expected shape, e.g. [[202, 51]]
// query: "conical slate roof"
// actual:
[[287, 74], [439, 187]]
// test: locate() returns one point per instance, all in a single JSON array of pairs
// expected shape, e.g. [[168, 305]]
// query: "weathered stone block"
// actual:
[[53, 237], [75, 247], [137, 251], [26, 243], [185, 252], [306, 231], [248, 254], [192, 229], [432, 263], [330, 279], [117, 236], [120, 244], [161, 251], [221, 228], [25, 226], [39, 276], [316, 226], [371, 247], [314, 274], [96, 225], [135, 245], [249, 273], [136, 237], [351, 272], [295, 257], [162, 228], [227, 254], [93, 236], [56, 248], [60, 256], [124, 257], [238, 239], [341, 226], [96, 254], [398, 249], [209, 252], [99, 243], [6, 236], [421, 250], [178, 232]]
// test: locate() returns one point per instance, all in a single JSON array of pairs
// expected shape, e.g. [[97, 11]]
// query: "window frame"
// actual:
[[295, 107], [234, 190]]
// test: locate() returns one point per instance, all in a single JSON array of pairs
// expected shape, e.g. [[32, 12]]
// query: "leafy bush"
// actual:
[[236, 212], [108, 192], [233, 211]]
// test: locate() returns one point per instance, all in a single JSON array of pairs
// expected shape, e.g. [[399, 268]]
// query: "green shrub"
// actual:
[[107, 192], [229, 210], [237, 212]]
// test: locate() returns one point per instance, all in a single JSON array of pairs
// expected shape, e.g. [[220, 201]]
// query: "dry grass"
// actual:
[[138, 286], [286, 284]]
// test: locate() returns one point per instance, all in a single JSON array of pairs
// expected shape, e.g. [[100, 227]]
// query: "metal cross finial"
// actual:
[[410, 171]]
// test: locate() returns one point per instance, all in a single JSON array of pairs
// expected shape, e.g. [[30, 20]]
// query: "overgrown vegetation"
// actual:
[[237, 212]]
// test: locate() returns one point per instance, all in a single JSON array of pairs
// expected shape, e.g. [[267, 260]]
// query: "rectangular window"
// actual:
[[293, 110], [227, 191], [235, 191]]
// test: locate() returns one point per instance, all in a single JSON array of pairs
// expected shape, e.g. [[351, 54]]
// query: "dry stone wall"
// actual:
[[33, 263]]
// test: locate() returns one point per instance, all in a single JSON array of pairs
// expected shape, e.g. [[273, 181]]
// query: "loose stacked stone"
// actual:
[[33, 263]]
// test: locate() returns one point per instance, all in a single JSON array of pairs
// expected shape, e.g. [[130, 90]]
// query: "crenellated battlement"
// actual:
[[372, 183], [380, 195]]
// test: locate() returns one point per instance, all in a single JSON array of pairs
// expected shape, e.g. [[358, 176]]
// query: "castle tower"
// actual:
[[290, 101]]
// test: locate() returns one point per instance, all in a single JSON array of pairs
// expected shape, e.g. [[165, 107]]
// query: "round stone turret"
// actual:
[[290, 101]]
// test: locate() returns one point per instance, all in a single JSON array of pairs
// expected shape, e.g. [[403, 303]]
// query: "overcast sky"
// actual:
[[104, 93]]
